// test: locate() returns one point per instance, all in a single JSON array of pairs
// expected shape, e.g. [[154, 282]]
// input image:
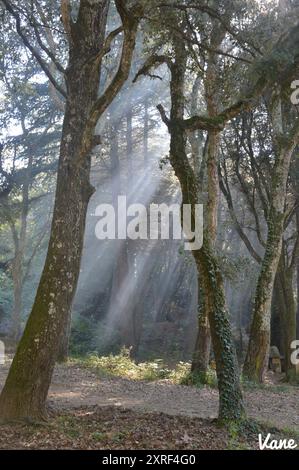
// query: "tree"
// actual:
[[26, 158], [253, 165], [257, 355], [201, 355], [231, 406], [25, 391]]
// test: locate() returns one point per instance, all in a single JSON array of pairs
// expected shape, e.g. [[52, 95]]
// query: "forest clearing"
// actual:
[[78, 390], [149, 226]]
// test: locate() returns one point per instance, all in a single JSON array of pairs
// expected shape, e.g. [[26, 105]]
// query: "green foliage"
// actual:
[[200, 379], [6, 293], [82, 335], [293, 377], [122, 365], [280, 388], [248, 428]]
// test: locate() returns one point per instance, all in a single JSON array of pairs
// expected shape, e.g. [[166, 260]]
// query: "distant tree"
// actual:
[[252, 167], [27, 162]]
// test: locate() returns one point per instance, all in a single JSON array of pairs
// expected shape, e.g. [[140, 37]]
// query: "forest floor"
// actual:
[[93, 410]]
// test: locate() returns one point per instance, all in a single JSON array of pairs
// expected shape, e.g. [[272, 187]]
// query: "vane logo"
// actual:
[[295, 94], [276, 444], [2, 353], [136, 222]]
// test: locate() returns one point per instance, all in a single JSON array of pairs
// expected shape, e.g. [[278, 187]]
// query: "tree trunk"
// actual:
[[25, 391], [288, 315], [203, 342], [201, 354], [129, 143], [231, 403], [230, 395], [145, 132], [26, 387], [297, 268], [276, 306], [256, 361]]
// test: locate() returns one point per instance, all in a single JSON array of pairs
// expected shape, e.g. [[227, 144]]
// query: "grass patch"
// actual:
[[122, 365], [252, 386], [200, 379], [68, 426], [98, 436]]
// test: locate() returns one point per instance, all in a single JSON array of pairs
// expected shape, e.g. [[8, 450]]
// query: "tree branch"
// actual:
[[153, 61], [130, 20], [218, 122], [280, 71], [214, 14], [66, 17], [163, 115], [32, 49], [45, 48], [107, 45], [227, 194]]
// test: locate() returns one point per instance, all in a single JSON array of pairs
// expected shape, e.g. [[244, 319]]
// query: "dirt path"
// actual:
[[73, 387]]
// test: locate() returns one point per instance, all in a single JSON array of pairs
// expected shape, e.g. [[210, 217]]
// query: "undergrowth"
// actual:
[[122, 365]]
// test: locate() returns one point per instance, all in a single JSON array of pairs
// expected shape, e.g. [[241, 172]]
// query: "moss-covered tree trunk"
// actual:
[[256, 361], [230, 395], [297, 259], [27, 384], [275, 333], [25, 391], [287, 307], [201, 353], [257, 354], [203, 343]]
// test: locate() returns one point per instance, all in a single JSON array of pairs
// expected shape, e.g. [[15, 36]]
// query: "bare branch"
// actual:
[[153, 61], [130, 20], [218, 122], [163, 115], [224, 186], [32, 49], [286, 45], [49, 53], [214, 14]]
